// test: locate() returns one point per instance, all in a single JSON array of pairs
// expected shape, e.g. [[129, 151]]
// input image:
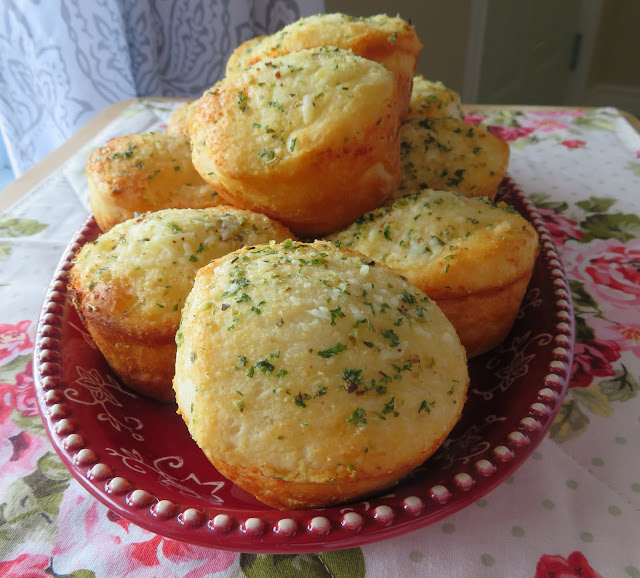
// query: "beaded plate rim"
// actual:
[[265, 530]]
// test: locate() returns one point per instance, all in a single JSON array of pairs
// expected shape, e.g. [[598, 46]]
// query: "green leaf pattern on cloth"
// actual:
[[32, 502], [338, 564], [12, 228], [607, 263]]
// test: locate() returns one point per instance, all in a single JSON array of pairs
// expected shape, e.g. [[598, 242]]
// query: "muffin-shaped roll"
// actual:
[[356, 377], [244, 55], [433, 99], [474, 258], [179, 120], [450, 154], [139, 173], [390, 41], [310, 139], [129, 285]]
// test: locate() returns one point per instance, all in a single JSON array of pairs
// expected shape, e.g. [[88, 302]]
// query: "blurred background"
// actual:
[[64, 61], [548, 52]]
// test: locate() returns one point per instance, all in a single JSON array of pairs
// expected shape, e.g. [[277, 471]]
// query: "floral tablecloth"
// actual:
[[573, 509]]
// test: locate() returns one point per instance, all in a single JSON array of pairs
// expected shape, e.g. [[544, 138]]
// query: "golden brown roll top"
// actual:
[[243, 55], [431, 98], [129, 285], [474, 258], [450, 154], [179, 120], [310, 139], [356, 379], [391, 41], [138, 173]]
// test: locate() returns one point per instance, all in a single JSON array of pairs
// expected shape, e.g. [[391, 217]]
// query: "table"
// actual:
[[573, 509]]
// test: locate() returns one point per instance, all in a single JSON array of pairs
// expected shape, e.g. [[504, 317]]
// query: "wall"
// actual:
[[616, 55], [443, 28]]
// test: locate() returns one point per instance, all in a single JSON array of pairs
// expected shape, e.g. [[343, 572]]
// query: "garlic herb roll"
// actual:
[[449, 154], [130, 284], [310, 139], [391, 41], [473, 257], [356, 377], [139, 173], [179, 120], [431, 98]]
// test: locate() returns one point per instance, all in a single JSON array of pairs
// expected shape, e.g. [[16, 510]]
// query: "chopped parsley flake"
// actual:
[[242, 101], [358, 417], [426, 406], [276, 105], [390, 407], [337, 348], [267, 154], [337, 312], [301, 398], [420, 310], [237, 284], [408, 298], [353, 379], [392, 336], [265, 366]]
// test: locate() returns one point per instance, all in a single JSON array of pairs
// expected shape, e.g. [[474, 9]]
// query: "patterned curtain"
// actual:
[[63, 61]]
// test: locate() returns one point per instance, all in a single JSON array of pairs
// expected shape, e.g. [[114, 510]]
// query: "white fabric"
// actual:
[[63, 61]]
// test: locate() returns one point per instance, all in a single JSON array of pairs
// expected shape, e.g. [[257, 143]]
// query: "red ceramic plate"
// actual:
[[136, 456]]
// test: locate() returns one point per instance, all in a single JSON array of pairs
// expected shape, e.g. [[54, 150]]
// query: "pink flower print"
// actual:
[[575, 566], [146, 554], [6, 401], [120, 548], [610, 273], [548, 125], [510, 133], [625, 332], [26, 402], [475, 118], [560, 228], [593, 359], [556, 112], [20, 396], [23, 449], [573, 144], [14, 340], [25, 566]]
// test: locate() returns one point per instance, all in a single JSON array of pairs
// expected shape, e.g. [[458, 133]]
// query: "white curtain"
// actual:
[[63, 61]]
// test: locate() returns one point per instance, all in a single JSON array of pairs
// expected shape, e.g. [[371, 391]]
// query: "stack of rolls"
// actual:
[[306, 259]]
